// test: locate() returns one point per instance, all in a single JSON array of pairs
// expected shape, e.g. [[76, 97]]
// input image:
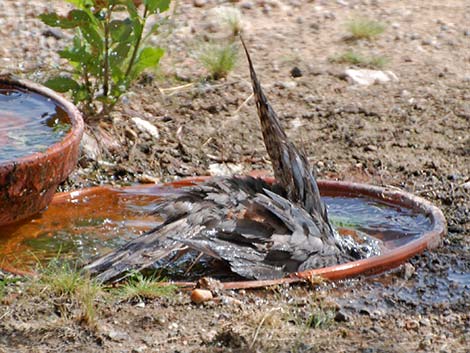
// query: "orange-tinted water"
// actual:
[[79, 226]]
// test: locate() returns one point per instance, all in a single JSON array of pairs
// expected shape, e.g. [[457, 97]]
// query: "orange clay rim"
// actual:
[[28, 183], [72, 111], [377, 264]]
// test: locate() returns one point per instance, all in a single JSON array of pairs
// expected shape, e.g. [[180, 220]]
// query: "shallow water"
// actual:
[[87, 226], [29, 123]]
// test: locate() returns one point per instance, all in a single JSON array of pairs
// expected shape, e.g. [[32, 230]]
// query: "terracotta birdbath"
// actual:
[[102, 215], [28, 181]]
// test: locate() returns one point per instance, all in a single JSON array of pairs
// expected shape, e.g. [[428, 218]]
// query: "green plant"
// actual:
[[230, 17], [86, 296], [67, 286], [140, 288], [351, 57], [364, 28], [108, 50], [61, 278], [218, 58]]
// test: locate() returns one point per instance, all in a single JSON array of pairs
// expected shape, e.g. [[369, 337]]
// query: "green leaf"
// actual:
[[121, 30], [118, 55], [62, 84], [79, 56], [93, 37], [132, 10], [148, 57], [157, 6]]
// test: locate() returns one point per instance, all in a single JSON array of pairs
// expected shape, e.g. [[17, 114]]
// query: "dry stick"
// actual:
[[255, 336], [176, 88], [244, 103]]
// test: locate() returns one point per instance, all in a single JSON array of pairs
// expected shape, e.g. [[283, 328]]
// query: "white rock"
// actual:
[[219, 169], [90, 147], [146, 126], [369, 77]]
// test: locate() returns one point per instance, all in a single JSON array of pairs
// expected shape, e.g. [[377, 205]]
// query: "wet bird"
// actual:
[[261, 230]]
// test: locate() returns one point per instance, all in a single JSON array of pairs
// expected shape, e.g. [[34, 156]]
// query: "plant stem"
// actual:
[[106, 52], [137, 44]]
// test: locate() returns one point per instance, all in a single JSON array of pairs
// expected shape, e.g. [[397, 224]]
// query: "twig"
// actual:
[[255, 336], [243, 104]]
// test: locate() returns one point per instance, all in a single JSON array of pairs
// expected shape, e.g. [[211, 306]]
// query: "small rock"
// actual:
[[246, 5], [411, 325], [149, 179], [199, 3], [312, 99], [182, 75], [408, 271], [90, 147], [199, 296], [466, 185], [209, 283], [286, 84], [425, 322], [341, 316], [146, 127], [117, 336], [296, 72], [54, 33], [368, 77], [140, 305], [139, 349], [221, 169], [370, 148]]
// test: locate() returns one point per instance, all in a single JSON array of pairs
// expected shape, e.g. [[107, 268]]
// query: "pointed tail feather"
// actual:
[[291, 168]]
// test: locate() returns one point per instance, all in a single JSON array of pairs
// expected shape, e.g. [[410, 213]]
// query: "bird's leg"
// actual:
[[193, 263], [179, 252]]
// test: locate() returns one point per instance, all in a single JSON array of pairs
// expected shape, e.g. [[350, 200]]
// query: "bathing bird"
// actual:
[[261, 230]]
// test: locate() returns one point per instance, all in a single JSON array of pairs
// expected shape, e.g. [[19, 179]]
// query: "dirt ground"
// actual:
[[412, 134]]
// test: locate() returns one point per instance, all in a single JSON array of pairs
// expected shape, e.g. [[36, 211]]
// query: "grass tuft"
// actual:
[[69, 288], [230, 17], [61, 278], [139, 288], [364, 28], [353, 58], [218, 59]]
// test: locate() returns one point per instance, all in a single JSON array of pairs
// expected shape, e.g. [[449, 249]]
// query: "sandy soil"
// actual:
[[412, 134]]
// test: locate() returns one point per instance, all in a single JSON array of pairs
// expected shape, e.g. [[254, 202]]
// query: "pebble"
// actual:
[[200, 3], [370, 148], [408, 271], [247, 5], [411, 324], [223, 169], [146, 127], [286, 84], [341, 316], [117, 335], [367, 77], [199, 296], [425, 322], [295, 72], [53, 32]]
